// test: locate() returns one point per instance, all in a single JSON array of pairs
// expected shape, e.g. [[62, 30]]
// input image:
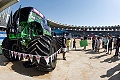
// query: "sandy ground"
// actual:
[[80, 65]]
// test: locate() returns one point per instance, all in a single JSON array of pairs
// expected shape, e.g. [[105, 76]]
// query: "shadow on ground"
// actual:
[[110, 73], [110, 60], [97, 57], [76, 50], [115, 77], [3, 60], [19, 68], [89, 51], [59, 58]]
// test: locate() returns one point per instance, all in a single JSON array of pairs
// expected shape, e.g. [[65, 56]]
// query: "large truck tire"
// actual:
[[54, 61], [43, 46], [59, 42], [39, 46], [7, 45]]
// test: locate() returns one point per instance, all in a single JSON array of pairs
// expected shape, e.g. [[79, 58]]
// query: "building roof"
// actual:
[[54, 24], [6, 3]]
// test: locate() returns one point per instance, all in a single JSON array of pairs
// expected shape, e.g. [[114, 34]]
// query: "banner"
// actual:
[[15, 54], [24, 56], [38, 58], [83, 43], [19, 55], [30, 56]]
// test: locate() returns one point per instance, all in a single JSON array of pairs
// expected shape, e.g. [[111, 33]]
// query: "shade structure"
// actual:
[[59, 32], [6, 3]]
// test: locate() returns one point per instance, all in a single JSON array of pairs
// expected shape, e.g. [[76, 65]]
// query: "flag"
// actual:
[[38, 58], [12, 52], [15, 54], [16, 19], [57, 52], [10, 23], [31, 57], [24, 56], [19, 55], [46, 59], [83, 43]]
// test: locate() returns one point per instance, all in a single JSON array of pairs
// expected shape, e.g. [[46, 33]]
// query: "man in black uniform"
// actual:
[[64, 46], [117, 46]]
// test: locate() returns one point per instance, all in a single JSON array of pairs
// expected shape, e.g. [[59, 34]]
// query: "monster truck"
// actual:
[[29, 32]]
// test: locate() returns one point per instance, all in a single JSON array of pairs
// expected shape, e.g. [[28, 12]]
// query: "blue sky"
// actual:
[[77, 12]]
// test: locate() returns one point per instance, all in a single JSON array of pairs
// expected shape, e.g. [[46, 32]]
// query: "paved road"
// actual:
[[80, 65]]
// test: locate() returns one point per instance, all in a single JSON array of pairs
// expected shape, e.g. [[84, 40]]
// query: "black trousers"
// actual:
[[117, 50], [93, 46]]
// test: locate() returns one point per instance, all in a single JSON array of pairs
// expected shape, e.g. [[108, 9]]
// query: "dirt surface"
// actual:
[[80, 65]]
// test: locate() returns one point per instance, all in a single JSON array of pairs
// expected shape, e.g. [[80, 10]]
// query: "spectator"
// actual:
[[93, 43], [68, 44], [109, 44], [71, 43], [98, 43], [74, 44], [115, 43], [105, 40], [85, 38], [117, 46]]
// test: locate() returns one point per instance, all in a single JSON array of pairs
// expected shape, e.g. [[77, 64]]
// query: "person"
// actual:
[[64, 46], [71, 43], [85, 38], [74, 44], [109, 44], [98, 43], [105, 40], [115, 40], [68, 44], [117, 46], [93, 43]]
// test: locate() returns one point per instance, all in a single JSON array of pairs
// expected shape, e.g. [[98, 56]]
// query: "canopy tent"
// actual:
[[6, 3], [59, 32]]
